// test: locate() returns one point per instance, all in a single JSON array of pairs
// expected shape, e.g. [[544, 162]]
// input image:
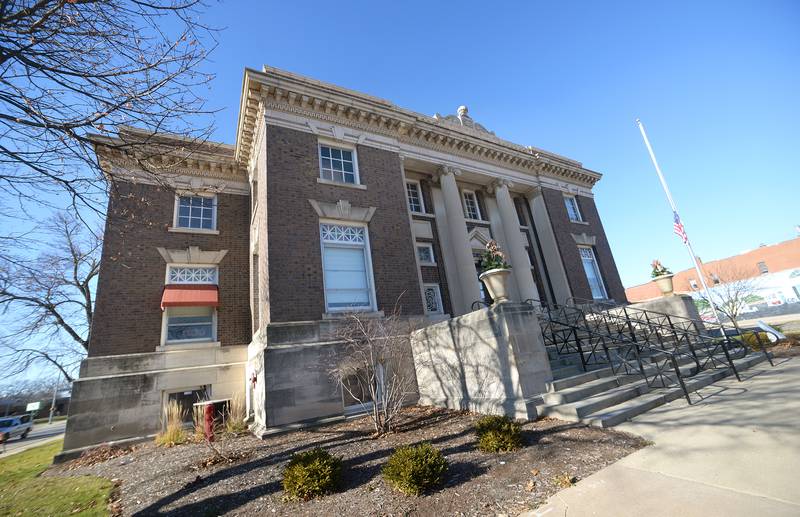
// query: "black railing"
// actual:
[[572, 330], [714, 352]]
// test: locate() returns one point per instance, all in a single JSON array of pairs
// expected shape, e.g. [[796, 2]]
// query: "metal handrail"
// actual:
[[631, 344], [704, 339], [727, 338]]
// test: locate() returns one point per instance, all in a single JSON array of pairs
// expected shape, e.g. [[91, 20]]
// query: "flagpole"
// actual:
[[675, 210]]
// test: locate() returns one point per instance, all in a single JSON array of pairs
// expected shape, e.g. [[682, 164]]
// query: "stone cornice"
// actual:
[[274, 89], [160, 158]]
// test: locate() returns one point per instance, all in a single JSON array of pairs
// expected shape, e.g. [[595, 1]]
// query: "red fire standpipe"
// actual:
[[208, 421]]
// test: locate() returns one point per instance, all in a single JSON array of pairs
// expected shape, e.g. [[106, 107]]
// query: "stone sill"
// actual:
[[188, 346], [422, 214], [356, 186], [476, 221], [201, 231], [585, 223], [344, 314]]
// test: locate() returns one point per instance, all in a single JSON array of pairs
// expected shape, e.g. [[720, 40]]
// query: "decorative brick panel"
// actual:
[[295, 257], [128, 316]]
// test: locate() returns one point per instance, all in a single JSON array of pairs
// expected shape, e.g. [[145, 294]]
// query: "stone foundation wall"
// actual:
[[294, 384], [121, 398]]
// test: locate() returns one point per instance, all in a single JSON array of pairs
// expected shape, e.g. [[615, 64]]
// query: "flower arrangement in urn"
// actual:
[[662, 276], [495, 272]]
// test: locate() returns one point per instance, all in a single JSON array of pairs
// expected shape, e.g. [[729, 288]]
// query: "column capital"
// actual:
[[497, 184], [445, 170]]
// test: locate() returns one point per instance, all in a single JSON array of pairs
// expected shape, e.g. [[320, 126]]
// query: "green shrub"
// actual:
[[312, 474], [416, 468], [498, 434]]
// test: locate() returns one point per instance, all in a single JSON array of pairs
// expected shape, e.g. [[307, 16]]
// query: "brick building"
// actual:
[[228, 274]]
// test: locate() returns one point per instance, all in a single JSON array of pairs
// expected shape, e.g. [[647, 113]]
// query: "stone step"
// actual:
[[583, 390], [574, 411], [575, 380], [628, 409], [562, 372]]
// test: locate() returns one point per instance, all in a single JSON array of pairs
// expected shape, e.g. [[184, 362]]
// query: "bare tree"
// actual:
[[70, 68], [51, 299], [21, 392], [375, 368], [732, 288]]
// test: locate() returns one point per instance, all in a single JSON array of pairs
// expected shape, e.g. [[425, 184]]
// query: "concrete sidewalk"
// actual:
[[736, 452]]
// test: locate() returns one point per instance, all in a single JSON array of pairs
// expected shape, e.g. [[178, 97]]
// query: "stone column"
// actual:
[[520, 263], [457, 229], [550, 253]]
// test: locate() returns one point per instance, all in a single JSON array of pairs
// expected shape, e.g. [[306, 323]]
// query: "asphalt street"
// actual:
[[41, 433]]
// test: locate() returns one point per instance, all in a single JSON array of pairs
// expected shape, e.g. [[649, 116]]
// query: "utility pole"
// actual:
[[53, 404]]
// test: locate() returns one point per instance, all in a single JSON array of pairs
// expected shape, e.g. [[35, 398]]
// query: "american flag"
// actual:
[[678, 228]]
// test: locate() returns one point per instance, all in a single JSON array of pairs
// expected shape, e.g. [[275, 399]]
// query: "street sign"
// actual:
[[33, 406]]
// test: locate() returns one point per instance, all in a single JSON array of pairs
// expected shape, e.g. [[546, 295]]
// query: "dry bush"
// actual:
[[198, 423], [236, 415], [375, 368], [174, 433]]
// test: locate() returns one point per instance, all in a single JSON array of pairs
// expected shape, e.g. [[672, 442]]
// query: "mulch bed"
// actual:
[[180, 480]]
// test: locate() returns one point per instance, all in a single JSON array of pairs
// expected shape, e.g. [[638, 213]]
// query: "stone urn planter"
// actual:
[[664, 282], [497, 282]]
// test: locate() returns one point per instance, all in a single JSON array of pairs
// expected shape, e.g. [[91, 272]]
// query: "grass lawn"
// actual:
[[23, 492]]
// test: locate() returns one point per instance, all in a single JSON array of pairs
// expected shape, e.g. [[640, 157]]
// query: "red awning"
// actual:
[[190, 295]]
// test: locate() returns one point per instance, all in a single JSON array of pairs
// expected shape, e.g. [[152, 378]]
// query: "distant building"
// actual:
[[774, 270]]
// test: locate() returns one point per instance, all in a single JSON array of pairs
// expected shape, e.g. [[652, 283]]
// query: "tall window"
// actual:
[[415, 203], [337, 165], [198, 212], [762, 268], [573, 211], [592, 273], [346, 270], [471, 210]]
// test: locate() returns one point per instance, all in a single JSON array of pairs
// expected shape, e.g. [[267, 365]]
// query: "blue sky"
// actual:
[[716, 84]]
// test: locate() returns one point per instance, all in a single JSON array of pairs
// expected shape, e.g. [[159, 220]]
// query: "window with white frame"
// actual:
[[433, 299], [196, 212], [471, 209], [573, 211], [693, 283], [337, 164], [592, 271], [186, 324], [346, 267], [191, 274], [414, 193], [425, 253]]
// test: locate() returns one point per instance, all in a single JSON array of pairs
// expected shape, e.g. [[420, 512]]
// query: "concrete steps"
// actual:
[[601, 399]]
